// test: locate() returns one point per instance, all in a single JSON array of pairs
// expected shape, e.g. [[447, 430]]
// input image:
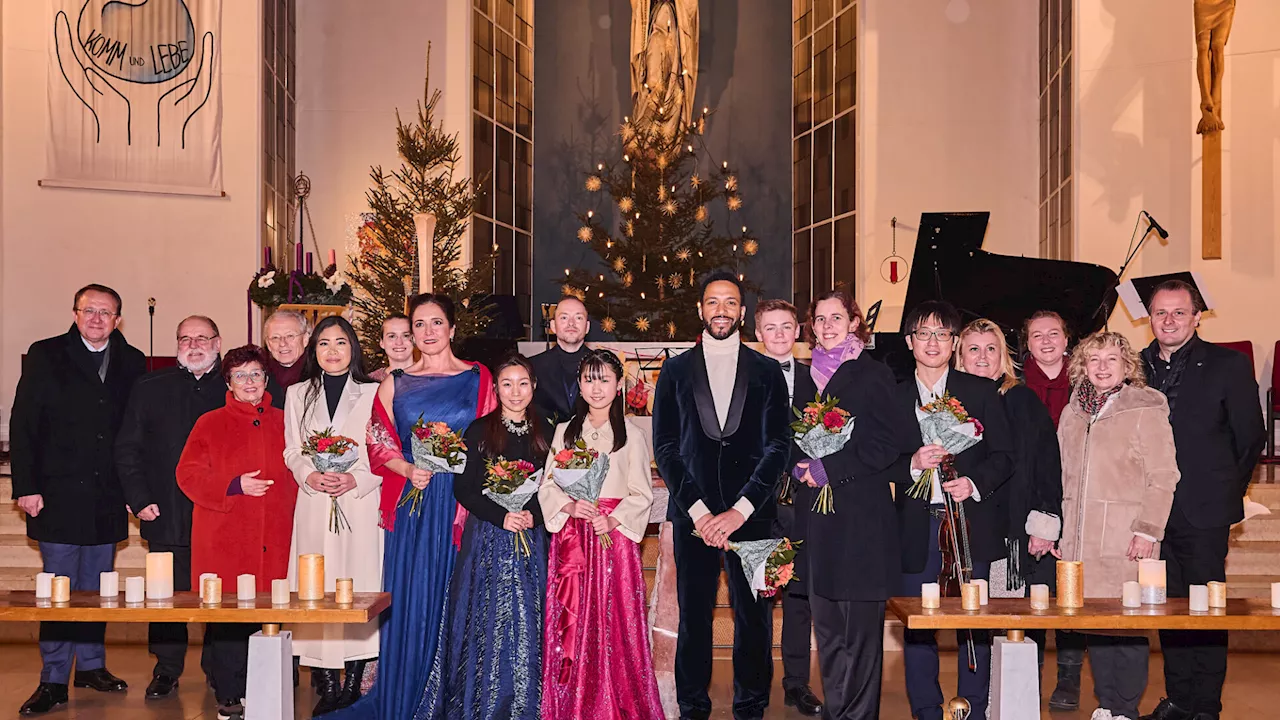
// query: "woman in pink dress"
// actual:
[[596, 662]]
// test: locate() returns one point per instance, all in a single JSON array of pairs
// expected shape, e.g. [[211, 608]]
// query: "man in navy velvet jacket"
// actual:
[[722, 440]]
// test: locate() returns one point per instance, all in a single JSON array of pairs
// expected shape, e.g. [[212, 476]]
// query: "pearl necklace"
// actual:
[[518, 428]]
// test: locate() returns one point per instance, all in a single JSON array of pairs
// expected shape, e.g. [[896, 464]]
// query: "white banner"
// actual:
[[135, 95]]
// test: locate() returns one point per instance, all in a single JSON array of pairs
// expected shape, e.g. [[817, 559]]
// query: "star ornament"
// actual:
[[683, 255], [627, 280], [671, 329], [675, 281], [608, 324], [669, 208], [585, 233], [731, 183], [734, 202], [751, 247], [626, 204], [619, 264], [594, 184], [700, 214], [642, 324]]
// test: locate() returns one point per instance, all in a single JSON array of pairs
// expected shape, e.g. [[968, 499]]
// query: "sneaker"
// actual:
[[231, 710]]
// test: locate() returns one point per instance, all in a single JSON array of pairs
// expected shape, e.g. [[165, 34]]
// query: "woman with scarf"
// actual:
[[847, 591], [1119, 472]]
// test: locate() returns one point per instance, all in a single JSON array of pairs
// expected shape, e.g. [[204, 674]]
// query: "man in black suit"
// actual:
[[722, 441], [778, 328], [983, 470], [556, 370], [66, 412], [162, 409], [1218, 433]]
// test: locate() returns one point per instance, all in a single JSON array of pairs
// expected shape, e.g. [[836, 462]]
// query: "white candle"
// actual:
[[159, 575], [984, 591], [279, 592], [1039, 597], [1131, 595], [246, 587], [930, 596], [1199, 598], [109, 584], [1151, 578], [1275, 595], [135, 589], [44, 585]]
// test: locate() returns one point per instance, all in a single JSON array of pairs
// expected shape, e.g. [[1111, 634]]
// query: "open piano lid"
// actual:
[[950, 264]]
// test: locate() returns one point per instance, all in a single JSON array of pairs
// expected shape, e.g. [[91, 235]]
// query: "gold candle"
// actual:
[[345, 591], [211, 590], [61, 589], [279, 592], [1070, 584], [311, 577], [1217, 594], [970, 596]]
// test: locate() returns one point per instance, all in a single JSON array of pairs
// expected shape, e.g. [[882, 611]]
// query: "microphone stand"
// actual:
[[151, 332]]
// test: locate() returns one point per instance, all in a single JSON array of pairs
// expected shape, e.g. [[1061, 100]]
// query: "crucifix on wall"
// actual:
[[1213, 25]]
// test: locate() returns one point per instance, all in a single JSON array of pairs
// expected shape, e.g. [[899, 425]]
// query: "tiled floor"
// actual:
[[1251, 691]]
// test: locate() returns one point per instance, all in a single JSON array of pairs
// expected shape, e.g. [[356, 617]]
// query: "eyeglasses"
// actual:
[[923, 335], [242, 378], [94, 312], [195, 340], [280, 339]]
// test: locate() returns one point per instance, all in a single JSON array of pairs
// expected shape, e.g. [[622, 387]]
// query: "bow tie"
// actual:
[[786, 366]]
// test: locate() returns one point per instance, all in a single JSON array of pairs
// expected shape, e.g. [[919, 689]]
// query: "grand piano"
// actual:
[[950, 264]]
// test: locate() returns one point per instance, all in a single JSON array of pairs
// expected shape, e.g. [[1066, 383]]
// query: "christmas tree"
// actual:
[[663, 240], [384, 270]]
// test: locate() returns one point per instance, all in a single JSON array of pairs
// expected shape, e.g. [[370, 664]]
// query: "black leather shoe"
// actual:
[[161, 686], [46, 697], [1166, 710], [101, 680], [803, 699], [329, 688]]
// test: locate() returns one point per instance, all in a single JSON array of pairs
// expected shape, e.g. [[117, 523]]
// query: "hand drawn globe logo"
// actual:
[[141, 41]]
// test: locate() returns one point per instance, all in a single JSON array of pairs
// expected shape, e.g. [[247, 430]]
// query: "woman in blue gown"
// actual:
[[489, 663], [420, 547]]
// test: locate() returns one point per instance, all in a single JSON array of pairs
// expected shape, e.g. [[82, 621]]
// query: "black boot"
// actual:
[[328, 687], [351, 684], [1066, 696]]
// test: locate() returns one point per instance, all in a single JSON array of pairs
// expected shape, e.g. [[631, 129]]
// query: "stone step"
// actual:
[[1250, 586], [1260, 528], [18, 552], [1253, 558]]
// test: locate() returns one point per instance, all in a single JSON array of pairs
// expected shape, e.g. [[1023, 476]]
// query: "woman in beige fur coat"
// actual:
[[1119, 471]]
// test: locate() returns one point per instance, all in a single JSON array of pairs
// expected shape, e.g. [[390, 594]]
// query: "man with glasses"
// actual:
[[66, 411], [982, 471], [287, 333], [162, 409]]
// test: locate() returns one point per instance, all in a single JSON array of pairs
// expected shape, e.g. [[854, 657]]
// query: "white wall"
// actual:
[[948, 106], [360, 66], [194, 255], [1137, 108]]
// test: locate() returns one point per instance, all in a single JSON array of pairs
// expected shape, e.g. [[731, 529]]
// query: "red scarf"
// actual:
[[1055, 393]]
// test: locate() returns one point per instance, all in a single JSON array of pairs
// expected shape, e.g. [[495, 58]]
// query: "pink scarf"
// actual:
[[826, 362]]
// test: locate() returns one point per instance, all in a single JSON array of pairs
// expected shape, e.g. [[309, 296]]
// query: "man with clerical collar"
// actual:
[[287, 333], [1218, 434], [162, 409], [778, 328], [557, 368], [721, 440], [66, 411]]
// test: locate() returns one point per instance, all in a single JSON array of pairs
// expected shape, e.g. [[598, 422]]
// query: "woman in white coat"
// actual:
[[337, 510]]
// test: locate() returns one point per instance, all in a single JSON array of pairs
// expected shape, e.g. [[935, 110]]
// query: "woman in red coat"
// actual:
[[233, 470]]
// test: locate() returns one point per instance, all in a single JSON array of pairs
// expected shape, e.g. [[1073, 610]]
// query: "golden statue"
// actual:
[[1213, 25], [664, 65]]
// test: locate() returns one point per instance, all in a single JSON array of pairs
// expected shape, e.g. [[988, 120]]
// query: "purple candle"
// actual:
[[266, 256], [308, 263], [333, 257], [297, 263]]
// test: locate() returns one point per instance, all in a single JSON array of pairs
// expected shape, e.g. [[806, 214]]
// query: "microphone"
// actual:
[[1164, 234], [151, 304]]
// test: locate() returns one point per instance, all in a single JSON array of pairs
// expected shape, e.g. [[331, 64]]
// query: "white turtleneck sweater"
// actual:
[[721, 357]]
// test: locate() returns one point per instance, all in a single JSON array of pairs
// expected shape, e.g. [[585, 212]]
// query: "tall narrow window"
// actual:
[[279, 137], [824, 146], [502, 144], [1056, 106]]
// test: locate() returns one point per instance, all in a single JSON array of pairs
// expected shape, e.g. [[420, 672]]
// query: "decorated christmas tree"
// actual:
[[384, 270], [664, 191]]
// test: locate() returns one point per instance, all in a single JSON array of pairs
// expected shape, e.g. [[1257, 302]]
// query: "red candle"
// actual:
[[266, 256], [308, 263], [333, 257]]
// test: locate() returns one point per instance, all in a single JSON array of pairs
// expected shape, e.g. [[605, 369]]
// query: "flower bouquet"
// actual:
[[580, 472], [768, 564], [946, 423], [821, 430], [436, 448], [510, 483], [332, 454]]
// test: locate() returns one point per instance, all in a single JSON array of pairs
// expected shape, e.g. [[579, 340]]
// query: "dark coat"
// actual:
[[62, 438], [556, 372], [699, 461], [854, 552], [1037, 470], [789, 524], [989, 464], [163, 407], [1218, 432]]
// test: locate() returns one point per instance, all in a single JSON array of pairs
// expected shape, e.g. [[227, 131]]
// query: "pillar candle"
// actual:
[[1131, 595], [279, 592], [61, 589], [266, 256], [1039, 597], [1070, 584], [345, 591], [930, 596], [311, 577], [1275, 594], [211, 590], [984, 591], [970, 596], [297, 265], [159, 575], [333, 257], [44, 585], [1199, 598], [201, 586], [109, 584], [246, 587], [1217, 594], [135, 589], [308, 263], [1151, 576]]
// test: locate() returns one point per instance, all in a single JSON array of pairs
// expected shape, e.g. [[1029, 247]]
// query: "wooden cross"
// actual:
[[1213, 26]]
